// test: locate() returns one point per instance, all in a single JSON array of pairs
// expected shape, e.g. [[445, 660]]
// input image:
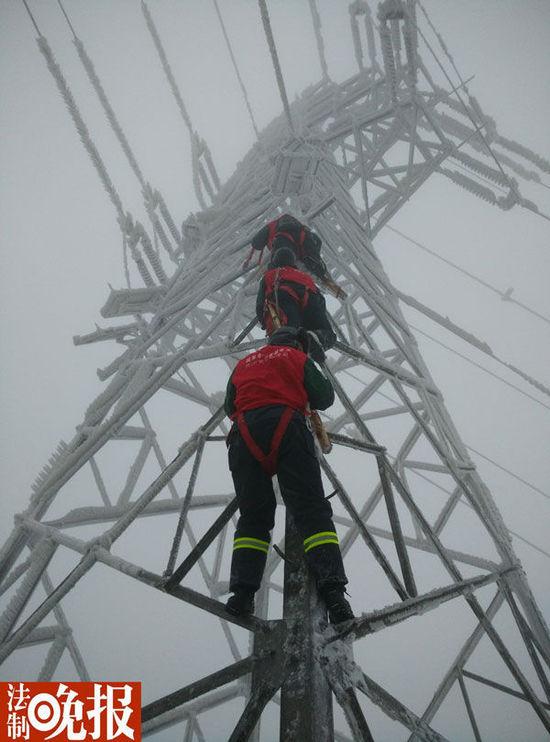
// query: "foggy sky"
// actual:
[[61, 244]]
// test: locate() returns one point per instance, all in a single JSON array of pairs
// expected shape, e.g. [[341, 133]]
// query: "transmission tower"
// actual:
[[343, 158]]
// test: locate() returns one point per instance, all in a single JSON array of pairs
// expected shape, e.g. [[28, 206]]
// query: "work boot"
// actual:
[[241, 603], [339, 610]]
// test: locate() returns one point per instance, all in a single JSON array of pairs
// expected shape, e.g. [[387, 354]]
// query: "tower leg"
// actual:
[[306, 698]]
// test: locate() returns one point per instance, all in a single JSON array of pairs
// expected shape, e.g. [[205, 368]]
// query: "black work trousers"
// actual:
[[312, 317], [299, 478]]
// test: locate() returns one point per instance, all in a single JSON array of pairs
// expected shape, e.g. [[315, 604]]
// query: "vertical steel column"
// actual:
[[306, 698]]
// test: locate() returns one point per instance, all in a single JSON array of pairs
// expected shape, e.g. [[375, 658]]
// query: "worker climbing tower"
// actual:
[[343, 158]]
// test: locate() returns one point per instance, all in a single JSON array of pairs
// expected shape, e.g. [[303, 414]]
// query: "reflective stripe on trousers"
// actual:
[[247, 542], [318, 539]]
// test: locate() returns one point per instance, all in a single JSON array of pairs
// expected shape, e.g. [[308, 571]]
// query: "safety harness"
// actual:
[[273, 233], [268, 461], [283, 282]]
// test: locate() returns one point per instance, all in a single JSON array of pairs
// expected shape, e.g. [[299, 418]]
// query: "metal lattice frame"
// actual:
[[359, 151]]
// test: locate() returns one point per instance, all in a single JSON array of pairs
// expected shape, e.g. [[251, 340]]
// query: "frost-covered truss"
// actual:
[[407, 498]]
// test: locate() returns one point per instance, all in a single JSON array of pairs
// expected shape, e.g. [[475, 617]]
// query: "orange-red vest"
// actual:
[[273, 375]]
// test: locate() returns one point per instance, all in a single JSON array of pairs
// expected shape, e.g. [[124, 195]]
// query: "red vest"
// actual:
[[273, 375], [285, 274]]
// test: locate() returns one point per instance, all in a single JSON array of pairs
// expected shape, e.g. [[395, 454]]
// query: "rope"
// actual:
[[235, 67], [504, 295], [275, 59]]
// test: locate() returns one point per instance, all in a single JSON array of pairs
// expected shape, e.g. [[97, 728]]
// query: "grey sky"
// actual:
[[61, 243]]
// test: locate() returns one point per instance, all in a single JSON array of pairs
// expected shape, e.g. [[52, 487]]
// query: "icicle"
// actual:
[[167, 217], [519, 149], [396, 39], [479, 167], [154, 199], [142, 268], [151, 254], [411, 44], [48, 469], [389, 61], [133, 234], [41, 556], [471, 185]]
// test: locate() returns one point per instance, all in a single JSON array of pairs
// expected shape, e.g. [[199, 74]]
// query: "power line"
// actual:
[[477, 128], [511, 473], [467, 504], [31, 17], [236, 68], [482, 368], [491, 461], [486, 458], [275, 59], [504, 295]]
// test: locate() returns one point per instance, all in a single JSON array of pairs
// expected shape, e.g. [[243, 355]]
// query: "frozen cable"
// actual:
[[482, 368], [166, 66], [478, 129], [510, 473], [235, 67], [31, 17], [504, 295], [478, 453], [80, 125], [275, 60], [486, 458]]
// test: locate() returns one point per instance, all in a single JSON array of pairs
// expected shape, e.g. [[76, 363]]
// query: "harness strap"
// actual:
[[301, 241], [279, 285], [268, 461], [271, 230], [302, 302]]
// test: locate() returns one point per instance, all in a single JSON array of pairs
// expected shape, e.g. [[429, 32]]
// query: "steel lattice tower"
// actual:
[[344, 158]]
